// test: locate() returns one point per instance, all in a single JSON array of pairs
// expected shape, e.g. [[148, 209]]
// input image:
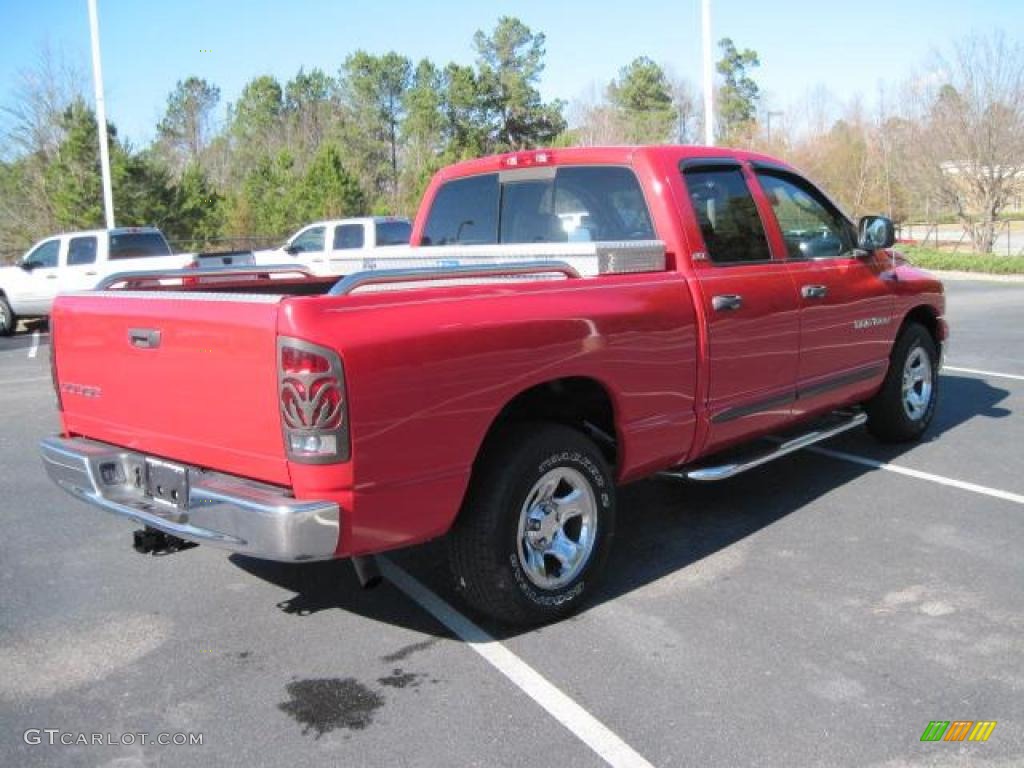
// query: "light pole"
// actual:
[[709, 107], [101, 115]]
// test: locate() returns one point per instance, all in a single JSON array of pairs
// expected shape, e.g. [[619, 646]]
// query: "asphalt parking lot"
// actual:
[[821, 610]]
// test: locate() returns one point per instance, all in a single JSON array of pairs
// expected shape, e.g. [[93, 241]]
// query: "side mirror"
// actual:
[[874, 232], [291, 250], [28, 266]]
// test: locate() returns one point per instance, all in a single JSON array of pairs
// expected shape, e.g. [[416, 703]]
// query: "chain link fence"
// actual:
[[1009, 236]]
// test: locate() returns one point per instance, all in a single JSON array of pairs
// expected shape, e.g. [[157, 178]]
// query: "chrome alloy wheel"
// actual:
[[557, 528], [917, 383], [5, 318]]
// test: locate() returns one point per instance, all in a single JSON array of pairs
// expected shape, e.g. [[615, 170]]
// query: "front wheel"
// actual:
[[536, 527], [905, 405], [8, 320]]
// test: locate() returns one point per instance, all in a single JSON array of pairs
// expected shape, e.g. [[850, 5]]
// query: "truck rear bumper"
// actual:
[[225, 511]]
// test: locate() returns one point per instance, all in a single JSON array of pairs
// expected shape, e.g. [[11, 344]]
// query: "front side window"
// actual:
[[575, 204], [348, 236], [137, 245], [464, 212], [393, 232], [81, 250], [309, 241], [727, 215], [811, 226], [45, 255]]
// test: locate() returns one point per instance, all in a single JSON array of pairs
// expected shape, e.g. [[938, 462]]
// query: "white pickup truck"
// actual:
[[339, 246], [76, 261]]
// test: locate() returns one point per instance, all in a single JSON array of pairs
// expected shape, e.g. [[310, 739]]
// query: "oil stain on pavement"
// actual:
[[401, 679], [324, 704]]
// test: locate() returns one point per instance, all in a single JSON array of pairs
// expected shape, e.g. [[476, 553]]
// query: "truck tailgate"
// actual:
[[191, 378]]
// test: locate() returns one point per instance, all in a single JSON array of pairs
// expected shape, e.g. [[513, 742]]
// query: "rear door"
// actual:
[[346, 255], [81, 272], [846, 309], [749, 302]]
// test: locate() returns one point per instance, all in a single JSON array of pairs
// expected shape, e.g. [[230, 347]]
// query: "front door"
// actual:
[[750, 305], [308, 249], [846, 311], [43, 281]]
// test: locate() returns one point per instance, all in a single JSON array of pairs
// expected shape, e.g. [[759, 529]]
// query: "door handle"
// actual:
[[814, 291], [51, 277], [726, 302], [91, 274], [144, 338]]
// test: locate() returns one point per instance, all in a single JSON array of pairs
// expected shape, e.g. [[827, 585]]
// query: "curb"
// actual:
[[983, 277]]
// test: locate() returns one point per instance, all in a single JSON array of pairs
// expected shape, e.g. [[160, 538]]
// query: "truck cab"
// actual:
[[339, 246], [77, 261]]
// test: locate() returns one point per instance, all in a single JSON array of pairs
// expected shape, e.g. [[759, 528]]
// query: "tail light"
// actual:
[[528, 159], [314, 411], [194, 264]]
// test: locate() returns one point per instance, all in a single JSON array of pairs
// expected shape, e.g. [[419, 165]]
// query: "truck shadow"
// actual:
[[666, 528]]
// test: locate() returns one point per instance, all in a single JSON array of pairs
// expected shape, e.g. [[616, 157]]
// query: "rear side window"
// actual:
[[393, 232], [136, 245], [465, 211], [348, 236], [81, 250], [728, 218]]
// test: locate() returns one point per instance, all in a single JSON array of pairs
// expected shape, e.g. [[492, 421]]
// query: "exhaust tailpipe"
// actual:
[[367, 571]]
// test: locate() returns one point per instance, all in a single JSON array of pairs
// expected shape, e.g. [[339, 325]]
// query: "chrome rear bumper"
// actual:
[[225, 511]]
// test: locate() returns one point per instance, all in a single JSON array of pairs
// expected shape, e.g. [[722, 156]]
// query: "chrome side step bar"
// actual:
[[725, 471]]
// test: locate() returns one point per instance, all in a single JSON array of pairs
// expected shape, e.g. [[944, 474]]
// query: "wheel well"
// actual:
[[926, 316], [578, 402]]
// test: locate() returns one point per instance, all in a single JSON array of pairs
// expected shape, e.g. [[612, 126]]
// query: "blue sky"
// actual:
[[848, 47]]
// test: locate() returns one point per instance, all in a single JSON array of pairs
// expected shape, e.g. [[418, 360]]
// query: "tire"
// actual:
[[536, 527], [903, 408], [8, 320]]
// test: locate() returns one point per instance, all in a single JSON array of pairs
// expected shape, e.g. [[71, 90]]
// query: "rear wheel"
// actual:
[[8, 320], [536, 527], [905, 405]]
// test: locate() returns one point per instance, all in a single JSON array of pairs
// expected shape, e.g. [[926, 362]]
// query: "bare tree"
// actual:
[[185, 128], [685, 99], [964, 137], [32, 116], [593, 120], [32, 132]]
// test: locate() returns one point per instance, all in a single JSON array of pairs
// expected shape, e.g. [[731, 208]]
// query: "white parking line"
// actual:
[[577, 720], [983, 373], [1016, 498], [34, 349], [25, 380]]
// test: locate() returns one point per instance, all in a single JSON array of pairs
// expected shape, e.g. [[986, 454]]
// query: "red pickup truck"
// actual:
[[565, 321]]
